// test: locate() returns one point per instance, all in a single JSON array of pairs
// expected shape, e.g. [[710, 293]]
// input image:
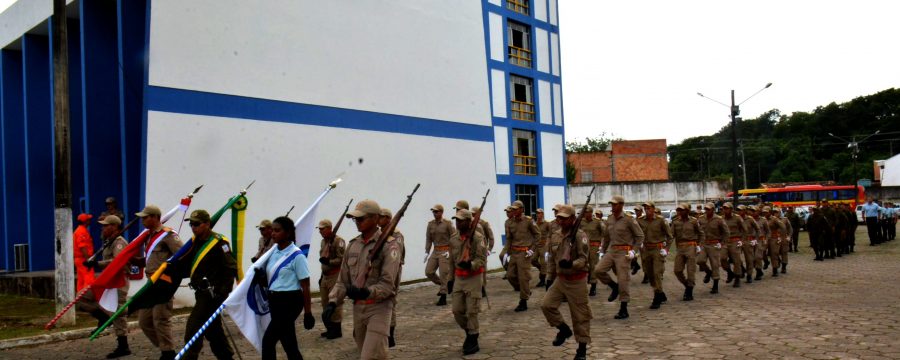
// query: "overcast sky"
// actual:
[[633, 68]]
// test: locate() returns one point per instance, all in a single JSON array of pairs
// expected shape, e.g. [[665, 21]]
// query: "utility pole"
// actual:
[[735, 111], [64, 275], [853, 145], [743, 165]]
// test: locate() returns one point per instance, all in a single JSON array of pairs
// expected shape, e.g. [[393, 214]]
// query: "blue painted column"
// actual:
[[38, 112], [132, 19], [12, 151]]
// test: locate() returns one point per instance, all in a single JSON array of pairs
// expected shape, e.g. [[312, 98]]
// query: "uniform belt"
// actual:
[[596, 243], [442, 248], [468, 272], [762, 238], [622, 247], [735, 238], [333, 271], [365, 302], [711, 242], [573, 277], [686, 243], [520, 248], [655, 245]]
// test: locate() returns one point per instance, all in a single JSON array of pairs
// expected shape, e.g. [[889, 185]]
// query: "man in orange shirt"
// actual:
[[83, 248]]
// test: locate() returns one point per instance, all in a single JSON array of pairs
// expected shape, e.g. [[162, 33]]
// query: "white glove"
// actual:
[[427, 254], [504, 259], [753, 243], [699, 249], [529, 253], [547, 256], [630, 254], [718, 246], [664, 252], [488, 253], [740, 243], [600, 253], [447, 255]]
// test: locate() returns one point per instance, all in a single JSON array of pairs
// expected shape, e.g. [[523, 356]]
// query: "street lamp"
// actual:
[[735, 111], [853, 145]]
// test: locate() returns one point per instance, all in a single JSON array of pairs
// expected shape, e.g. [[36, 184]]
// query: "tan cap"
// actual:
[[649, 204], [709, 206], [462, 204], [557, 206], [588, 209], [363, 208], [111, 220], [727, 205], [266, 223], [566, 211], [752, 208], [508, 209], [518, 204], [742, 207], [149, 210], [539, 210], [476, 209], [437, 207], [386, 212], [684, 206], [638, 208], [767, 209], [110, 200], [463, 214], [199, 215], [324, 223], [617, 199]]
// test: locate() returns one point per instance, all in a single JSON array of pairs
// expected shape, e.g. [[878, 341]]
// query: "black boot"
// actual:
[[688, 293], [657, 300], [470, 346], [593, 291], [774, 271], [615, 291], [737, 281], [335, 332], [646, 279], [121, 349], [564, 333], [662, 297], [784, 268], [759, 274], [442, 300], [483, 292], [707, 277], [392, 342], [730, 276], [581, 353], [635, 266], [623, 311], [715, 288], [765, 262], [167, 355], [749, 278], [523, 305], [541, 283], [450, 287]]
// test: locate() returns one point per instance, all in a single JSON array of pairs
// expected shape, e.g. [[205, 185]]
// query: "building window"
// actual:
[[587, 176], [524, 152], [521, 98], [519, 6], [519, 49], [528, 195]]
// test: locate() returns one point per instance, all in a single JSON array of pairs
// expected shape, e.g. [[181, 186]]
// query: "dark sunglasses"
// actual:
[[195, 223]]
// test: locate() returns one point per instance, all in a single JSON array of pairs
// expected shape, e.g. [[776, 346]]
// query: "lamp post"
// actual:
[[735, 111], [853, 145]]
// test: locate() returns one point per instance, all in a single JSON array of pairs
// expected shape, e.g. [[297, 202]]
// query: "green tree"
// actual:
[[601, 142]]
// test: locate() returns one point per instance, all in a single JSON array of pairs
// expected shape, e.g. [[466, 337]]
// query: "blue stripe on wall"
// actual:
[[210, 104]]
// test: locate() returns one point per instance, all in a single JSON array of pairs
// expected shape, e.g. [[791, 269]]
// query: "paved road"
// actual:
[[848, 308]]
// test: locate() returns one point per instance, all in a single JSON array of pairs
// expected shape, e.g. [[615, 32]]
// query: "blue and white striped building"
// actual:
[[460, 96]]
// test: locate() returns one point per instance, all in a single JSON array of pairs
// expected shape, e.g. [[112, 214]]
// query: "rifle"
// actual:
[[92, 261], [326, 252], [289, 211], [570, 243], [467, 243], [360, 280]]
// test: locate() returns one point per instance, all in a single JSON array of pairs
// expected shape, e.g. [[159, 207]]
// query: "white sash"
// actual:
[[155, 241]]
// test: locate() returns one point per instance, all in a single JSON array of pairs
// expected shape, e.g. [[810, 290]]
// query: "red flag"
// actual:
[[113, 276]]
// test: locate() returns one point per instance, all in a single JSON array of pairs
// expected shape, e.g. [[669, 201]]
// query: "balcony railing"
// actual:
[[522, 110], [525, 165], [519, 6], [519, 56]]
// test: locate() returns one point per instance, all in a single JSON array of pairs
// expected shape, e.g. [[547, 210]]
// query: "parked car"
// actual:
[[859, 215], [803, 213]]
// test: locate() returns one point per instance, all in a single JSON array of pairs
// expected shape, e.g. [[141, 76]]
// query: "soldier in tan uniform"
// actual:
[[265, 239], [657, 241], [776, 236], [373, 303], [541, 257], [786, 239], [162, 243], [688, 237], [470, 257], [734, 245], [438, 235], [594, 228], [489, 243], [521, 242], [763, 235], [623, 236], [716, 232], [567, 277], [331, 255], [748, 248], [384, 219]]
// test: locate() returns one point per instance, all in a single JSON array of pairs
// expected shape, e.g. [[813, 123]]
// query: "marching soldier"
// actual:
[[623, 235], [776, 234], [594, 228], [438, 234], [817, 227], [162, 243], [544, 227], [750, 242], [734, 245], [688, 236], [852, 224], [470, 257], [794, 219], [112, 209], [331, 255], [373, 303], [384, 219], [521, 241], [489, 242], [657, 241], [762, 235], [831, 217], [716, 232], [212, 271], [567, 282], [786, 241], [265, 239]]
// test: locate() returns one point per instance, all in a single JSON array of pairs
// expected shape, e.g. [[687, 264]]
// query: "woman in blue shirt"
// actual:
[[288, 275]]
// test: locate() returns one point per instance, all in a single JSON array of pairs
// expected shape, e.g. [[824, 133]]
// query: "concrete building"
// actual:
[[460, 96], [626, 161]]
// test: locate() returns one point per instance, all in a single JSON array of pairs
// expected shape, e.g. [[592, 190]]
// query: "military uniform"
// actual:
[[763, 235], [438, 235], [750, 243], [794, 219], [331, 255], [786, 242], [469, 281], [716, 233], [657, 241], [776, 236], [623, 236], [833, 233], [568, 282], [595, 230], [161, 244], [734, 247], [372, 314], [817, 228], [541, 251], [688, 236], [521, 244]]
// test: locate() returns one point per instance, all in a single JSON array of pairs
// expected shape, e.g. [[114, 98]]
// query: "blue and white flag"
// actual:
[[247, 304]]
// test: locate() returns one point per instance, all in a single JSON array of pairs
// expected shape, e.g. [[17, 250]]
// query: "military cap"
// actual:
[[710, 206], [566, 211], [462, 204], [149, 210], [518, 204], [266, 223], [110, 200], [463, 214], [363, 208], [199, 215], [649, 204], [386, 212], [436, 207], [727, 205], [324, 223], [111, 220], [617, 199]]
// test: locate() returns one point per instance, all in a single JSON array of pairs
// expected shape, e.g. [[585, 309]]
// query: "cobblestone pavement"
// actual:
[[848, 308]]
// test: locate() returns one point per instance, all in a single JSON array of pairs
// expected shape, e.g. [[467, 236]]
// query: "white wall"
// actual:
[[542, 46], [891, 174], [554, 52], [292, 164], [544, 105], [557, 105], [551, 155], [22, 16], [553, 195], [495, 24], [501, 150], [498, 92], [417, 58], [665, 195], [540, 10]]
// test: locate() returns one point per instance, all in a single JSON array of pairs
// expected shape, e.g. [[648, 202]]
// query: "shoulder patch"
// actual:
[[120, 246], [226, 248]]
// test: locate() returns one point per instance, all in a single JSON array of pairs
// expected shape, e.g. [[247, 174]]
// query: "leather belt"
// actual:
[[365, 302], [711, 242], [469, 273], [520, 248], [655, 245], [622, 247], [686, 243], [596, 243], [442, 248]]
